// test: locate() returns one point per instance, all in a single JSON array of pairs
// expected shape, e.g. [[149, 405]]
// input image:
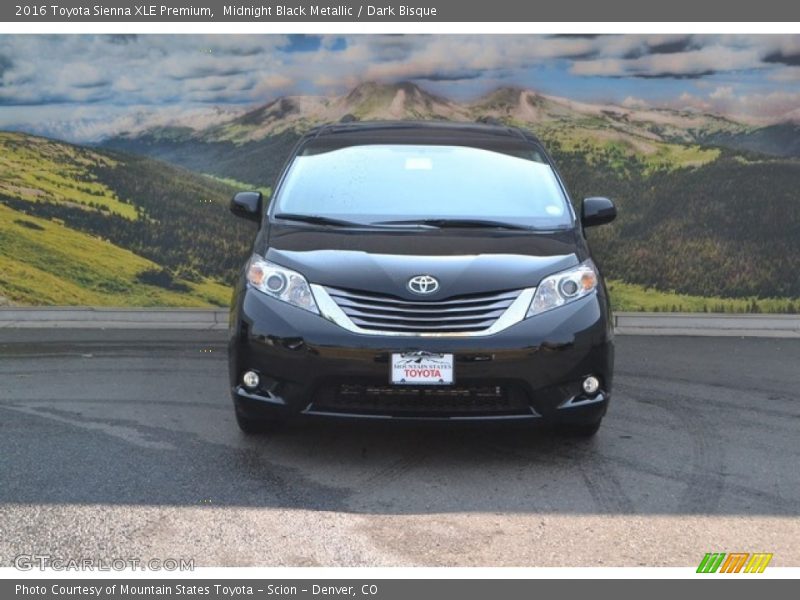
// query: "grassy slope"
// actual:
[[36, 169], [241, 186], [613, 147], [632, 297], [45, 262]]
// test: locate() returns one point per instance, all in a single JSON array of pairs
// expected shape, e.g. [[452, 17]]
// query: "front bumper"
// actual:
[[312, 367]]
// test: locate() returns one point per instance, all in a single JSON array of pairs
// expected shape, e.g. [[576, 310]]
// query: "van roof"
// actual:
[[431, 132]]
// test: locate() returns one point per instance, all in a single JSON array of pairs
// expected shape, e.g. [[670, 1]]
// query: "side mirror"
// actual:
[[247, 205], [597, 211]]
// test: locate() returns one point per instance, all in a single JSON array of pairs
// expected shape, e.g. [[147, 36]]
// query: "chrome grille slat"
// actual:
[[358, 305], [380, 298], [457, 314], [419, 327], [357, 314]]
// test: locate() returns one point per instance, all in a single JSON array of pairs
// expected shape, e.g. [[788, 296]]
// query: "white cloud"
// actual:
[[84, 123], [724, 94], [692, 63], [758, 108], [786, 75], [633, 102]]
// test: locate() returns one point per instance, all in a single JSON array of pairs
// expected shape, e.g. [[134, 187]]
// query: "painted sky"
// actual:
[[83, 87]]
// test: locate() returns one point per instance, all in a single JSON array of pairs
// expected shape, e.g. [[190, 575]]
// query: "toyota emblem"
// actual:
[[423, 284]]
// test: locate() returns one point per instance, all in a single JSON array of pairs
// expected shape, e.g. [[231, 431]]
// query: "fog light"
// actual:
[[591, 384], [250, 379]]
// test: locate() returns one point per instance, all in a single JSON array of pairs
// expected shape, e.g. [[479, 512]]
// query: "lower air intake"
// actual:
[[419, 401]]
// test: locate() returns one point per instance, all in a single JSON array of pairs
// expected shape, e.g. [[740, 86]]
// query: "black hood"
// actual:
[[464, 261]]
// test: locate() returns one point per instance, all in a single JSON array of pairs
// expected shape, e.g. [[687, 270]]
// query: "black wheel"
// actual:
[[579, 430], [256, 425]]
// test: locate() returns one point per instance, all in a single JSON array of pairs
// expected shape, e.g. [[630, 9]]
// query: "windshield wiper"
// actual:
[[465, 223], [316, 220]]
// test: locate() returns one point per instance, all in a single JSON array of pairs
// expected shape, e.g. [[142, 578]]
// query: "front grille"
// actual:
[[455, 401], [457, 314]]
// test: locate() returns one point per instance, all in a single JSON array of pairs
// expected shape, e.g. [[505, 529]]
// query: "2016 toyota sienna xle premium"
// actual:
[[421, 270]]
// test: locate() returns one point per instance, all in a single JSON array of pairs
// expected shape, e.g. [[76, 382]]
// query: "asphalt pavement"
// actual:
[[123, 444]]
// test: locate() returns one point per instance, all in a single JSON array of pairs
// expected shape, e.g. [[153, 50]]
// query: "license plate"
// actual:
[[422, 368]]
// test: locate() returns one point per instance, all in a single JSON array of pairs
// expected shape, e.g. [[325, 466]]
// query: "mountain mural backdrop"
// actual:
[[709, 208]]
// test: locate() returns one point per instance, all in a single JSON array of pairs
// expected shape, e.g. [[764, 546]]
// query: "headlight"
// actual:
[[566, 286], [281, 283]]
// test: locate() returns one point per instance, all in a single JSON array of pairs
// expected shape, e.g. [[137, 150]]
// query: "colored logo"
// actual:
[[734, 562]]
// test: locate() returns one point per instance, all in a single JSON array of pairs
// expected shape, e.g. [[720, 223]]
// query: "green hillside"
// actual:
[[606, 147], [640, 298], [780, 139], [44, 262], [80, 226], [256, 162], [39, 169], [729, 228]]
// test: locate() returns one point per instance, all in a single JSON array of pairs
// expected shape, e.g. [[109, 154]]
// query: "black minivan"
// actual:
[[421, 270]]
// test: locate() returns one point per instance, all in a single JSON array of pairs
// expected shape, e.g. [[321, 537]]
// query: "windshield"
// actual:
[[373, 183]]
